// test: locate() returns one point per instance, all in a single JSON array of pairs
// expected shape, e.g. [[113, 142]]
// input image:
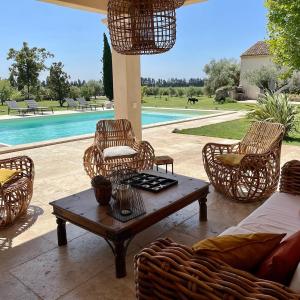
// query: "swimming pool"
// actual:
[[38, 129]]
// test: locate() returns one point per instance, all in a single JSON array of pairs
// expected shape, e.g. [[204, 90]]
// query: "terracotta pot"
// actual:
[[102, 189]]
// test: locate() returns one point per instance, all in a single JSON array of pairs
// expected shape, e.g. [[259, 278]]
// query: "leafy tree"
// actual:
[[58, 82], [96, 87], [191, 91], [107, 70], [6, 90], [180, 92], [75, 92], [27, 65], [284, 32], [265, 78], [45, 93], [155, 91], [172, 92], [87, 92], [225, 72]]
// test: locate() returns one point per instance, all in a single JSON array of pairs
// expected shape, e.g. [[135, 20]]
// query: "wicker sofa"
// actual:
[[166, 270]]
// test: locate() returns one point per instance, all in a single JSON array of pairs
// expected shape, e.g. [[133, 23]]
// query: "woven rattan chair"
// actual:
[[169, 271], [114, 133], [252, 172], [16, 194]]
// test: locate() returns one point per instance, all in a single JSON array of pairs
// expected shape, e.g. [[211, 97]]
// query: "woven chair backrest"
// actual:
[[111, 133], [262, 137]]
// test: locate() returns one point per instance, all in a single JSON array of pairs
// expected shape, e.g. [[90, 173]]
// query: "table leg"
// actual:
[[166, 168], [172, 168], [61, 232], [120, 259], [203, 209]]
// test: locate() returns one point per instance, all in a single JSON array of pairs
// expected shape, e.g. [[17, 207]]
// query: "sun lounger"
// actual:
[[13, 106], [72, 103], [84, 104], [109, 104], [32, 104]]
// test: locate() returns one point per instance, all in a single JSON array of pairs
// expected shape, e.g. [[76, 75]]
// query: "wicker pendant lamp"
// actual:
[[142, 26]]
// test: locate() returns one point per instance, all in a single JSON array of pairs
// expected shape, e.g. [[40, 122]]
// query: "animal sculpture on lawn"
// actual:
[[192, 100]]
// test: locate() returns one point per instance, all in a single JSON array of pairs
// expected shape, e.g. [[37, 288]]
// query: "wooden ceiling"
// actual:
[[98, 6]]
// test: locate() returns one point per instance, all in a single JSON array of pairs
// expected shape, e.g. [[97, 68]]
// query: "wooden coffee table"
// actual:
[[83, 210]]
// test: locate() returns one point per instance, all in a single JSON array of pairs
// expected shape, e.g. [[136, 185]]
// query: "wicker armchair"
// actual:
[[16, 194], [113, 133], [255, 176], [167, 270]]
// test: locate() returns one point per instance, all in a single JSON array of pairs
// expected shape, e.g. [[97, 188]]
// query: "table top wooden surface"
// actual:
[[83, 210]]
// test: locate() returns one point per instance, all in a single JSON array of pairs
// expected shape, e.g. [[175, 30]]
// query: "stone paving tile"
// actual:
[[54, 273], [12, 288]]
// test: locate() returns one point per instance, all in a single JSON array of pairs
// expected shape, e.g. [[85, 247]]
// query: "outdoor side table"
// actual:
[[164, 160]]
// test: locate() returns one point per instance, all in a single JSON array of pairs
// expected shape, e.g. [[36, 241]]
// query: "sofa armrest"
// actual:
[[290, 178], [167, 270]]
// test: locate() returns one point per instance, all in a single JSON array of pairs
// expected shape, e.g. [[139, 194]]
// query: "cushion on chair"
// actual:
[[241, 251], [118, 152], [6, 175], [230, 159], [281, 264]]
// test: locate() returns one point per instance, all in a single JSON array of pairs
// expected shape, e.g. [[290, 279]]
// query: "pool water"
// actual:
[[37, 129]]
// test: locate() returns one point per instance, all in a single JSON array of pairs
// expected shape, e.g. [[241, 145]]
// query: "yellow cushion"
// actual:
[[241, 251], [6, 175], [230, 159]]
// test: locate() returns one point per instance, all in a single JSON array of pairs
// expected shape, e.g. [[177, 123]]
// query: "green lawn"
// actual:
[[54, 104], [164, 101], [233, 130], [204, 103]]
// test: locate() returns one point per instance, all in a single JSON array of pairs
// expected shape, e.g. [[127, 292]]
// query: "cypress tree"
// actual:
[[107, 70]]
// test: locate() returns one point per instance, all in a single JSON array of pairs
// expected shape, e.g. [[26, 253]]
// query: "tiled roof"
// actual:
[[260, 48]]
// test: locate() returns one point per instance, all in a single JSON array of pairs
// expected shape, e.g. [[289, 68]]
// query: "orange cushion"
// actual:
[[281, 264], [230, 159], [241, 251]]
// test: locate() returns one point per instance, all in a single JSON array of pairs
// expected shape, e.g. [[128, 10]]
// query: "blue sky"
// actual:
[[214, 29]]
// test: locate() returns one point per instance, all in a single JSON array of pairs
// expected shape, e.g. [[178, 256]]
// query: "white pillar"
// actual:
[[127, 89]]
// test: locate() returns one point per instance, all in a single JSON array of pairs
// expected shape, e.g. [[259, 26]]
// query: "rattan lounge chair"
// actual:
[[33, 105], [16, 194], [13, 106], [115, 146], [72, 103], [84, 104], [249, 170]]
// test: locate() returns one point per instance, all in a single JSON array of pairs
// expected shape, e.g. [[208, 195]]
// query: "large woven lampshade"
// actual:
[[142, 26]]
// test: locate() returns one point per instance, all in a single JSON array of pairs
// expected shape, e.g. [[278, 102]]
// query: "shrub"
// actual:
[[221, 94], [276, 108], [265, 78], [6, 90], [224, 72]]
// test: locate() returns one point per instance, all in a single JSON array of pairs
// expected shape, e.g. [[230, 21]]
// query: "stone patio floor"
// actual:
[[33, 267]]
